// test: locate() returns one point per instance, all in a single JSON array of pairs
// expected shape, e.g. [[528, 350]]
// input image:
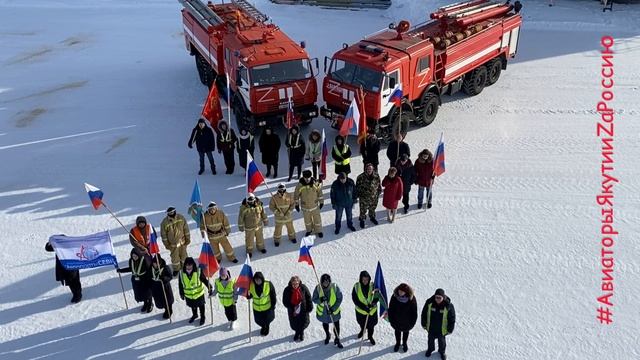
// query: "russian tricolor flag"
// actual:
[[207, 260], [305, 246], [438, 162], [95, 195], [396, 96], [323, 159], [153, 241], [351, 120], [244, 279], [254, 176]]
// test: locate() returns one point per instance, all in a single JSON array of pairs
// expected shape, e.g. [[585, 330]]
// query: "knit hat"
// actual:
[[439, 292], [141, 220], [223, 271], [307, 174], [342, 176], [282, 186], [170, 209]]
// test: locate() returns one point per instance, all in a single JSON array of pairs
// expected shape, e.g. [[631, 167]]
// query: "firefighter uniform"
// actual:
[[308, 197], [217, 226], [175, 237], [282, 205], [251, 220]]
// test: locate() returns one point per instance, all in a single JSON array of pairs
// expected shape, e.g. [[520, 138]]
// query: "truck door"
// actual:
[[392, 78], [244, 87]]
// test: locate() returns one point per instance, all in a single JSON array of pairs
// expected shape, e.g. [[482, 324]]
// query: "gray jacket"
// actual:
[[325, 318]]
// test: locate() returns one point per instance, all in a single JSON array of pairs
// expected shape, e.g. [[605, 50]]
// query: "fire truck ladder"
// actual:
[[251, 10], [203, 13], [463, 9]]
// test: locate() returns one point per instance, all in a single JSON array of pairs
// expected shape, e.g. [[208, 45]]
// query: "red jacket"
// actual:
[[423, 172], [392, 191]]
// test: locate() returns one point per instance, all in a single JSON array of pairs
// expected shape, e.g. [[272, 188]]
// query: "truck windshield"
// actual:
[[356, 75], [279, 72]]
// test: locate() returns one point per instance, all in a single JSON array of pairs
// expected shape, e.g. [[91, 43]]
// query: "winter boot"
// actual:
[[301, 336], [213, 171], [428, 353], [396, 347], [361, 224], [338, 343], [337, 231], [406, 209], [327, 338], [150, 307], [144, 307], [232, 325], [202, 317], [276, 243], [294, 240], [250, 255], [264, 251], [429, 206], [374, 221], [275, 171], [201, 172], [405, 348], [202, 320], [307, 233], [235, 261], [419, 205], [351, 228], [268, 171], [165, 314], [371, 340], [443, 356], [360, 333], [194, 316], [320, 235]]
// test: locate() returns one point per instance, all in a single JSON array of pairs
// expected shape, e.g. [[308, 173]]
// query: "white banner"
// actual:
[[83, 252]]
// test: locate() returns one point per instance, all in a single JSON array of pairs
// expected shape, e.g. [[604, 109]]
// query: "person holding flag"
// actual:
[[140, 237], [161, 277], [176, 236], [224, 288], [205, 141], [365, 301], [263, 294], [212, 110], [251, 219], [193, 286], [297, 299], [328, 298], [341, 154], [140, 279], [282, 205], [217, 228]]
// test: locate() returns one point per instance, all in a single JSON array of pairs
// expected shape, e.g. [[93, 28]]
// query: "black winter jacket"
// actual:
[[392, 151], [204, 138], [435, 322]]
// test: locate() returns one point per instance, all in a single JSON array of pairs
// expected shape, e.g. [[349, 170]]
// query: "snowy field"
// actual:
[[104, 92]]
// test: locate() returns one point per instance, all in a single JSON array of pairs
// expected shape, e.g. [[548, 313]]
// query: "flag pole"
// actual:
[[249, 310], [228, 98], [366, 320], [164, 292], [123, 295], [205, 237]]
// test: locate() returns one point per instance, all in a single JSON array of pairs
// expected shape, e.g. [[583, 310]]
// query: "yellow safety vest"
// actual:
[[445, 321], [365, 300], [225, 294], [137, 270], [332, 301], [345, 149], [193, 288], [262, 302]]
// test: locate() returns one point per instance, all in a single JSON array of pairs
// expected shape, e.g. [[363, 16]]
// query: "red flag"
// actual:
[[212, 109], [362, 127], [291, 116]]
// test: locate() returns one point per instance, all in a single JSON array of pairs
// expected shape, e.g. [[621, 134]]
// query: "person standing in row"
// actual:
[[226, 144], [176, 236], [70, 278], [223, 287], [140, 236], [245, 143], [439, 319], [364, 299], [368, 189], [269, 144], [402, 314], [341, 154], [308, 196], [205, 141], [217, 226], [314, 151], [297, 299], [328, 298], [264, 302], [193, 286], [343, 196], [161, 278], [251, 220], [140, 279], [396, 148], [296, 149], [282, 205], [392, 185], [369, 150], [424, 176], [408, 176]]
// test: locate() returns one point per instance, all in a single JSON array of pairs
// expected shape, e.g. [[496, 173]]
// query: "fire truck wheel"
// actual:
[[429, 109], [475, 81], [495, 67], [204, 70]]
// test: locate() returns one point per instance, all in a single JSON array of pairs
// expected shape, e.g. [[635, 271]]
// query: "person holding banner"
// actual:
[[217, 226], [297, 299], [223, 287], [140, 236], [175, 234], [161, 277], [251, 219], [365, 301], [193, 286], [70, 278], [264, 302], [328, 298], [140, 279]]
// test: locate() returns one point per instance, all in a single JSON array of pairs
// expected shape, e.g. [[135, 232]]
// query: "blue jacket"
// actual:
[[343, 195]]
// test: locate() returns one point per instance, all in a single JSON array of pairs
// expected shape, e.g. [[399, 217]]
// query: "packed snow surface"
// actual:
[[104, 92]]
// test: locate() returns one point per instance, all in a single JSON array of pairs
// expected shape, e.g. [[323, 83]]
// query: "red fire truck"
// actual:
[[465, 46], [265, 67]]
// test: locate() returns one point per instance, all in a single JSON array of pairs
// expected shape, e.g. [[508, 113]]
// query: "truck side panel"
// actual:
[[200, 39]]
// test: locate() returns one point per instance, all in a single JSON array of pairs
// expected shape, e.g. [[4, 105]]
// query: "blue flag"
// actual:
[[195, 205], [378, 284]]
